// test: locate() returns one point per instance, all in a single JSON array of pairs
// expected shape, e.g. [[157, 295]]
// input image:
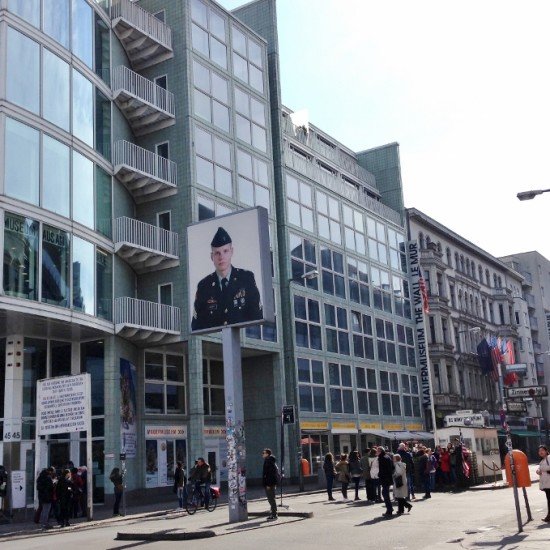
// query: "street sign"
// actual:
[[18, 489], [518, 367], [466, 420], [516, 406], [122, 456], [527, 391], [288, 414]]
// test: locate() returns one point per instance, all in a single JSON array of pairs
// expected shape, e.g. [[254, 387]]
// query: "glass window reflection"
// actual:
[[103, 201], [55, 176], [83, 276], [103, 125], [82, 29], [83, 190], [55, 266], [20, 257], [21, 167], [29, 10], [83, 109], [23, 71], [104, 284], [55, 90], [55, 20]]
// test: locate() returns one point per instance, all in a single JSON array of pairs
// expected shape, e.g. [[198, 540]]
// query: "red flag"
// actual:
[[424, 294]]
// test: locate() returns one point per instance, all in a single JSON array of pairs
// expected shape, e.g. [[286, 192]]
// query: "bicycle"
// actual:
[[197, 499]]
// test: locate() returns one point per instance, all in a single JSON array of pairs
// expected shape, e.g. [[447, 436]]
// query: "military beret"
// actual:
[[221, 238]]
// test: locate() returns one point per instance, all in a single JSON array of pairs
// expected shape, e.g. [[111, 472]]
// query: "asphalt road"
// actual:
[[447, 521]]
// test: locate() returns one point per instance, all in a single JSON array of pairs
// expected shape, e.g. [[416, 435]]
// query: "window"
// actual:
[[83, 190], [328, 218], [303, 254], [212, 379], [367, 395], [55, 266], [354, 230], [83, 276], [213, 162], [82, 31], [311, 385], [358, 279], [401, 296], [83, 108], [247, 60], [164, 384], [411, 399], [385, 341], [396, 243], [299, 203], [161, 81], [56, 101], [29, 10], [253, 180], [308, 323], [266, 332], [336, 329], [164, 220], [207, 208], [211, 97], [23, 71], [103, 202], [104, 284], [208, 33], [341, 392], [165, 294], [381, 289], [378, 249], [102, 125], [363, 343], [250, 120], [163, 149], [21, 249], [56, 178], [389, 386], [405, 346], [333, 272]]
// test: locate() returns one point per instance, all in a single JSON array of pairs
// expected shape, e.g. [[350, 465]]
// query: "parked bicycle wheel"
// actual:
[[192, 504]]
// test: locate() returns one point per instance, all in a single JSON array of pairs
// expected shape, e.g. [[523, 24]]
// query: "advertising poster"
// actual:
[[128, 428], [230, 271]]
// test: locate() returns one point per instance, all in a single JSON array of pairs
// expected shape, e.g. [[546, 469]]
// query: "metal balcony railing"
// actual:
[[124, 79], [145, 236], [144, 315]]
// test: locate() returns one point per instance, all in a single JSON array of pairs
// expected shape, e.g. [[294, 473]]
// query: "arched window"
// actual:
[[487, 279], [449, 257], [495, 281], [462, 263], [421, 240], [480, 273], [457, 265], [439, 247], [467, 266], [428, 241]]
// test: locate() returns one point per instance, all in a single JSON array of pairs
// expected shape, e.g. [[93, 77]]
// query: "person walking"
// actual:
[[407, 459], [118, 485], [180, 480], [355, 471], [400, 489], [330, 474], [544, 472], [270, 480], [65, 492], [44, 488], [365, 466], [385, 475], [424, 468], [342, 467], [374, 471]]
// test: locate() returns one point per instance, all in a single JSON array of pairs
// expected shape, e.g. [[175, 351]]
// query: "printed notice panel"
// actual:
[[62, 404]]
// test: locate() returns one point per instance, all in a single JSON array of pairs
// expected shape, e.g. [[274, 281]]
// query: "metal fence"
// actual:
[[145, 235], [147, 315]]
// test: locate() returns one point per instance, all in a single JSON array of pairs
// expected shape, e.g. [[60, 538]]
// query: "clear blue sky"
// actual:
[[464, 87]]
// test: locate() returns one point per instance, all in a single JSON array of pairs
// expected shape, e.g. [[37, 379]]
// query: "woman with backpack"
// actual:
[[342, 467]]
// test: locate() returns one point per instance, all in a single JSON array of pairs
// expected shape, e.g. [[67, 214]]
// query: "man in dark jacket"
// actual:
[[44, 488], [385, 475], [270, 481], [180, 480], [406, 457], [201, 474]]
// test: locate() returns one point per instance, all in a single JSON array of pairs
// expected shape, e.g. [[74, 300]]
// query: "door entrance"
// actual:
[[59, 453]]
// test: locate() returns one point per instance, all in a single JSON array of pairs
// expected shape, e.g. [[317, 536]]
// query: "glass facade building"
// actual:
[[121, 123]]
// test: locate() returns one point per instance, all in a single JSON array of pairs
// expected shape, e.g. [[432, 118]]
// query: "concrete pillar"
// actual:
[[195, 440]]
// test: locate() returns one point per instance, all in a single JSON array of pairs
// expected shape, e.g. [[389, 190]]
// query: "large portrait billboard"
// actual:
[[229, 268]]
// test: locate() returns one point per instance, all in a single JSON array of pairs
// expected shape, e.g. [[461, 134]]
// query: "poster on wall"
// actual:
[[128, 428], [229, 271]]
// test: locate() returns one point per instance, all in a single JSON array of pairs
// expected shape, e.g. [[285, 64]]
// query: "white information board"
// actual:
[[62, 404], [18, 489]]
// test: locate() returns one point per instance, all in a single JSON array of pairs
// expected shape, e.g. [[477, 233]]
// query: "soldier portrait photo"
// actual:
[[229, 295]]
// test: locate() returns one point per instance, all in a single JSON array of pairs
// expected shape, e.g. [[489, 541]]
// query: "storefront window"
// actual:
[[21, 167], [55, 266], [60, 358], [20, 257], [83, 109], [56, 101], [55, 20], [55, 176], [23, 71], [83, 276], [104, 284], [34, 369], [92, 359], [83, 190], [82, 31]]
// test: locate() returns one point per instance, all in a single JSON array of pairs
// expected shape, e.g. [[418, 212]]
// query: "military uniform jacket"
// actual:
[[239, 302]]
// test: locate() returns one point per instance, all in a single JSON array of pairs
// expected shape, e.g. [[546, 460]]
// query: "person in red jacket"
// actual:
[[445, 465]]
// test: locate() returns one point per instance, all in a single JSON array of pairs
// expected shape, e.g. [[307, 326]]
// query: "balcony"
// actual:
[[146, 39], [146, 322], [144, 246], [147, 176], [146, 106]]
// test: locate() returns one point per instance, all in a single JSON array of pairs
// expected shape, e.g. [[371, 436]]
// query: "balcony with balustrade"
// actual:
[[147, 176], [145, 322], [146, 39], [146, 106], [144, 246]]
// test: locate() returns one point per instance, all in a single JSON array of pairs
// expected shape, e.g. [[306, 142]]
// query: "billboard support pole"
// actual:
[[89, 461], [234, 418]]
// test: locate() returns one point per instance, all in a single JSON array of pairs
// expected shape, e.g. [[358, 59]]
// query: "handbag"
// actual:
[[398, 481]]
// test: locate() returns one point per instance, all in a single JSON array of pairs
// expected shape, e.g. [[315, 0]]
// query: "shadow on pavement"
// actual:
[[133, 545], [504, 542], [376, 520]]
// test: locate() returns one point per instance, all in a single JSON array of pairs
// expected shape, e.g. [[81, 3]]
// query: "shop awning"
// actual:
[[520, 433], [379, 433], [402, 435], [423, 435]]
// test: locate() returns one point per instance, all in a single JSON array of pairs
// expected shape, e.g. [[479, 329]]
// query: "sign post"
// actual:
[[287, 417]]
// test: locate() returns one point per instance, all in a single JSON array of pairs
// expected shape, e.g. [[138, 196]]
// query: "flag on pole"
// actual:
[[424, 294]]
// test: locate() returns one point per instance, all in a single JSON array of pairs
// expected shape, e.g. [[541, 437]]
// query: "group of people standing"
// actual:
[[61, 493]]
